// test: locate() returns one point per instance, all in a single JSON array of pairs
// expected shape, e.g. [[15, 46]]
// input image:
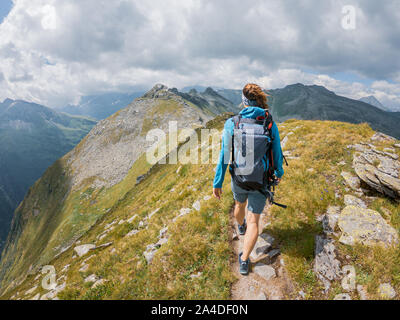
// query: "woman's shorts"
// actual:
[[256, 200]]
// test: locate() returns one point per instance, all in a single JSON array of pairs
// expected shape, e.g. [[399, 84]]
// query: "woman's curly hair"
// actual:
[[253, 91]]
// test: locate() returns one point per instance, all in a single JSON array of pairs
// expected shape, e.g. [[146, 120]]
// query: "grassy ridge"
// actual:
[[321, 145], [199, 241]]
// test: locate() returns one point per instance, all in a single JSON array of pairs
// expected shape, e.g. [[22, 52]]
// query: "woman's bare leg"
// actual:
[[251, 235], [240, 211]]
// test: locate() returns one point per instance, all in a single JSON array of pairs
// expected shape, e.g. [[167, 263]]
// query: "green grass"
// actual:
[[321, 145], [199, 241]]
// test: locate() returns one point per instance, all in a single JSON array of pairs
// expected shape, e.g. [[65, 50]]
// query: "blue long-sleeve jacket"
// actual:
[[253, 113]]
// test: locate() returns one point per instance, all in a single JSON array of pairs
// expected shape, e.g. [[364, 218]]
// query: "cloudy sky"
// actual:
[[54, 51]]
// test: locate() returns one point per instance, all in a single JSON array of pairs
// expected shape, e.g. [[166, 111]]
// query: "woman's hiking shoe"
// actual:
[[242, 228], [244, 266]]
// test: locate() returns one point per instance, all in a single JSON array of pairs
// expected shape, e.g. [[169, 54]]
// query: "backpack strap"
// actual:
[[268, 122], [236, 121]]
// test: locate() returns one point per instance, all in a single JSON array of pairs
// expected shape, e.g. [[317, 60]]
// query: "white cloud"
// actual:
[[52, 51]]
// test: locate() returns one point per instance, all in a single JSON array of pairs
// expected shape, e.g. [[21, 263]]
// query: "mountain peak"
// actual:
[[157, 91], [210, 91]]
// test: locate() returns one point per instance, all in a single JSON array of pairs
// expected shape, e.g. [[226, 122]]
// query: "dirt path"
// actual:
[[263, 282]]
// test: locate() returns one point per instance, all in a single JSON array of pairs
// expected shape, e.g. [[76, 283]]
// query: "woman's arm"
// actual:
[[277, 152], [224, 155]]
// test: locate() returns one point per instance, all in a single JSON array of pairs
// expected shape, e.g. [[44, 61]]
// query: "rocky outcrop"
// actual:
[[365, 226], [379, 170], [326, 265]]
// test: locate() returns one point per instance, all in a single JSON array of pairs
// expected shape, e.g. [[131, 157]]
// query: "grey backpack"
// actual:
[[252, 165]]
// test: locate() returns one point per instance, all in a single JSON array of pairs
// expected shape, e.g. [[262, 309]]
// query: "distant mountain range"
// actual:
[[32, 137], [313, 102], [101, 106]]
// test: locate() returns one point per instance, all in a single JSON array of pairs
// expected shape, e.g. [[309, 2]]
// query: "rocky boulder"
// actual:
[[380, 170], [365, 226], [326, 266]]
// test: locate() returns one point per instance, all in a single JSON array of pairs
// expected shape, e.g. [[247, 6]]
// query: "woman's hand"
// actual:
[[217, 192]]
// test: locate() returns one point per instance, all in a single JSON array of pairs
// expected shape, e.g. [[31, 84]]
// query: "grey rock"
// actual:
[[92, 278], [130, 220], [265, 271], [149, 255], [182, 212], [162, 241], [84, 268], [197, 205], [104, 245], [163, 232], [381, 137], [262, 246], [379, 170], [329, 220], [132, 233], [52, 295], [102, 236], [197, 275], [350, 200], [326, 266], [152, 213], [84, 249], [98, 283], [365, 226], [352, 181], [269, 257], [386, 291]]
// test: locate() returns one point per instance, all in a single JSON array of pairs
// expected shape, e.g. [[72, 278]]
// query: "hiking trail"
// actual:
[[268, 279]]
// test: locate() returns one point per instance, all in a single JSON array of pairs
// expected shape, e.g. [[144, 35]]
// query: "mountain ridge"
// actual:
[[101, 161], [313, 102]]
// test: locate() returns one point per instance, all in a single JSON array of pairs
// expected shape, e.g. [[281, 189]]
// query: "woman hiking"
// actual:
[[255, 111]]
